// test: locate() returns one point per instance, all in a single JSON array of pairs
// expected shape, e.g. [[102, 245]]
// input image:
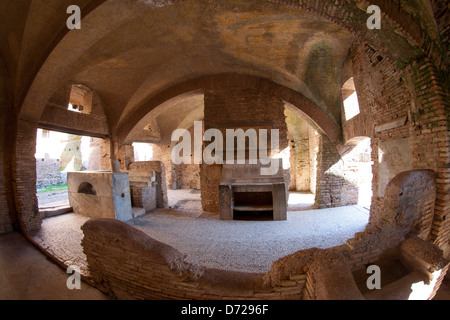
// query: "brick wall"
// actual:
[[125, 156], [188, 176], [24, 173], [162, 153], [57, 116], [7, 210], [386, 94], [334, 187], [127, 264], [430, 140], [159, 168]]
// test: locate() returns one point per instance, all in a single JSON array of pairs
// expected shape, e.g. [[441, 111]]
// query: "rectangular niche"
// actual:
[[253, 206]]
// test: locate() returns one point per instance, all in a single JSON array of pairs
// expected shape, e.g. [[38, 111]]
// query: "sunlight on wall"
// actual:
[[49, 144], [422, 290], [351, 106]]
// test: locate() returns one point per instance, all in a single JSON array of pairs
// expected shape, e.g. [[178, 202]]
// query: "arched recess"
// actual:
[[87, 188], [314, 115], [75, 108]]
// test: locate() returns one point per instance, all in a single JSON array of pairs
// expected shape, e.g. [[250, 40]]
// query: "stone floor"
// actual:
[[248, 246], [231, 245]]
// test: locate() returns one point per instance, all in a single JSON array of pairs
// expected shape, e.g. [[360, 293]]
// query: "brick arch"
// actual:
[[314, 114]]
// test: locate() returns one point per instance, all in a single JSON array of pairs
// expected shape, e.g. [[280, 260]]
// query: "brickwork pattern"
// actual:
[[126, 263], [333, 188], [232, 109], [386, 94], [159, 168]]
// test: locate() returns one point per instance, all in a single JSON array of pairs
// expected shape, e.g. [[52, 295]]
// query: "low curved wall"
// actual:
[[128, 264]]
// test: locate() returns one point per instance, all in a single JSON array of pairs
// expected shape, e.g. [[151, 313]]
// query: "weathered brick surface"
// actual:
[[232, 109], [387, 93], [333, 188], [24, 172], [7, 210], [126, 263], [161, 188]]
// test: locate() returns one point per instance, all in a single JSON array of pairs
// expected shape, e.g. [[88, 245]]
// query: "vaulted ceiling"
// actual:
[[129, 50]]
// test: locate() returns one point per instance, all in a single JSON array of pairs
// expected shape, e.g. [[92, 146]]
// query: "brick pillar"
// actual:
[[24, 176], [100, 156], [430, 141], [238, 108], [7, 210], [332, 188], [125, 156]]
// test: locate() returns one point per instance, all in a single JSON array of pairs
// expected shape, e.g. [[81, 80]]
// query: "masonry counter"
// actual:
[[100, 194]]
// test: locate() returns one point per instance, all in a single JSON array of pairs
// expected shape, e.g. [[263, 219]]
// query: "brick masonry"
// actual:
[[334, 188], [161, 186], [126, 263], [387, 93], [233, 109]]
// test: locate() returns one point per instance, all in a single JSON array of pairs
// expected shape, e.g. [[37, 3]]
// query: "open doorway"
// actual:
[[58, 153]]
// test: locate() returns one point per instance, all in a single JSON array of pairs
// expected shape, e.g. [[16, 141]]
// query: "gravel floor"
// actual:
[[247, 246]]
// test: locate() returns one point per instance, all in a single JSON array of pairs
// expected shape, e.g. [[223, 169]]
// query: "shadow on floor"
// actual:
[[27, 274]]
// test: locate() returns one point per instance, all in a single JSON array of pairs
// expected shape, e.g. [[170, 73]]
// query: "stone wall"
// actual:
[[48, 173], [100, 155]]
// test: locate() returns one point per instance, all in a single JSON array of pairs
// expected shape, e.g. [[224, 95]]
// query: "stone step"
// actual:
[[52, 211], [137, 212]]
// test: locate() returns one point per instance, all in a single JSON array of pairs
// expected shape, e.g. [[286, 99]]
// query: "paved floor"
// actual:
[[27, 274]]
